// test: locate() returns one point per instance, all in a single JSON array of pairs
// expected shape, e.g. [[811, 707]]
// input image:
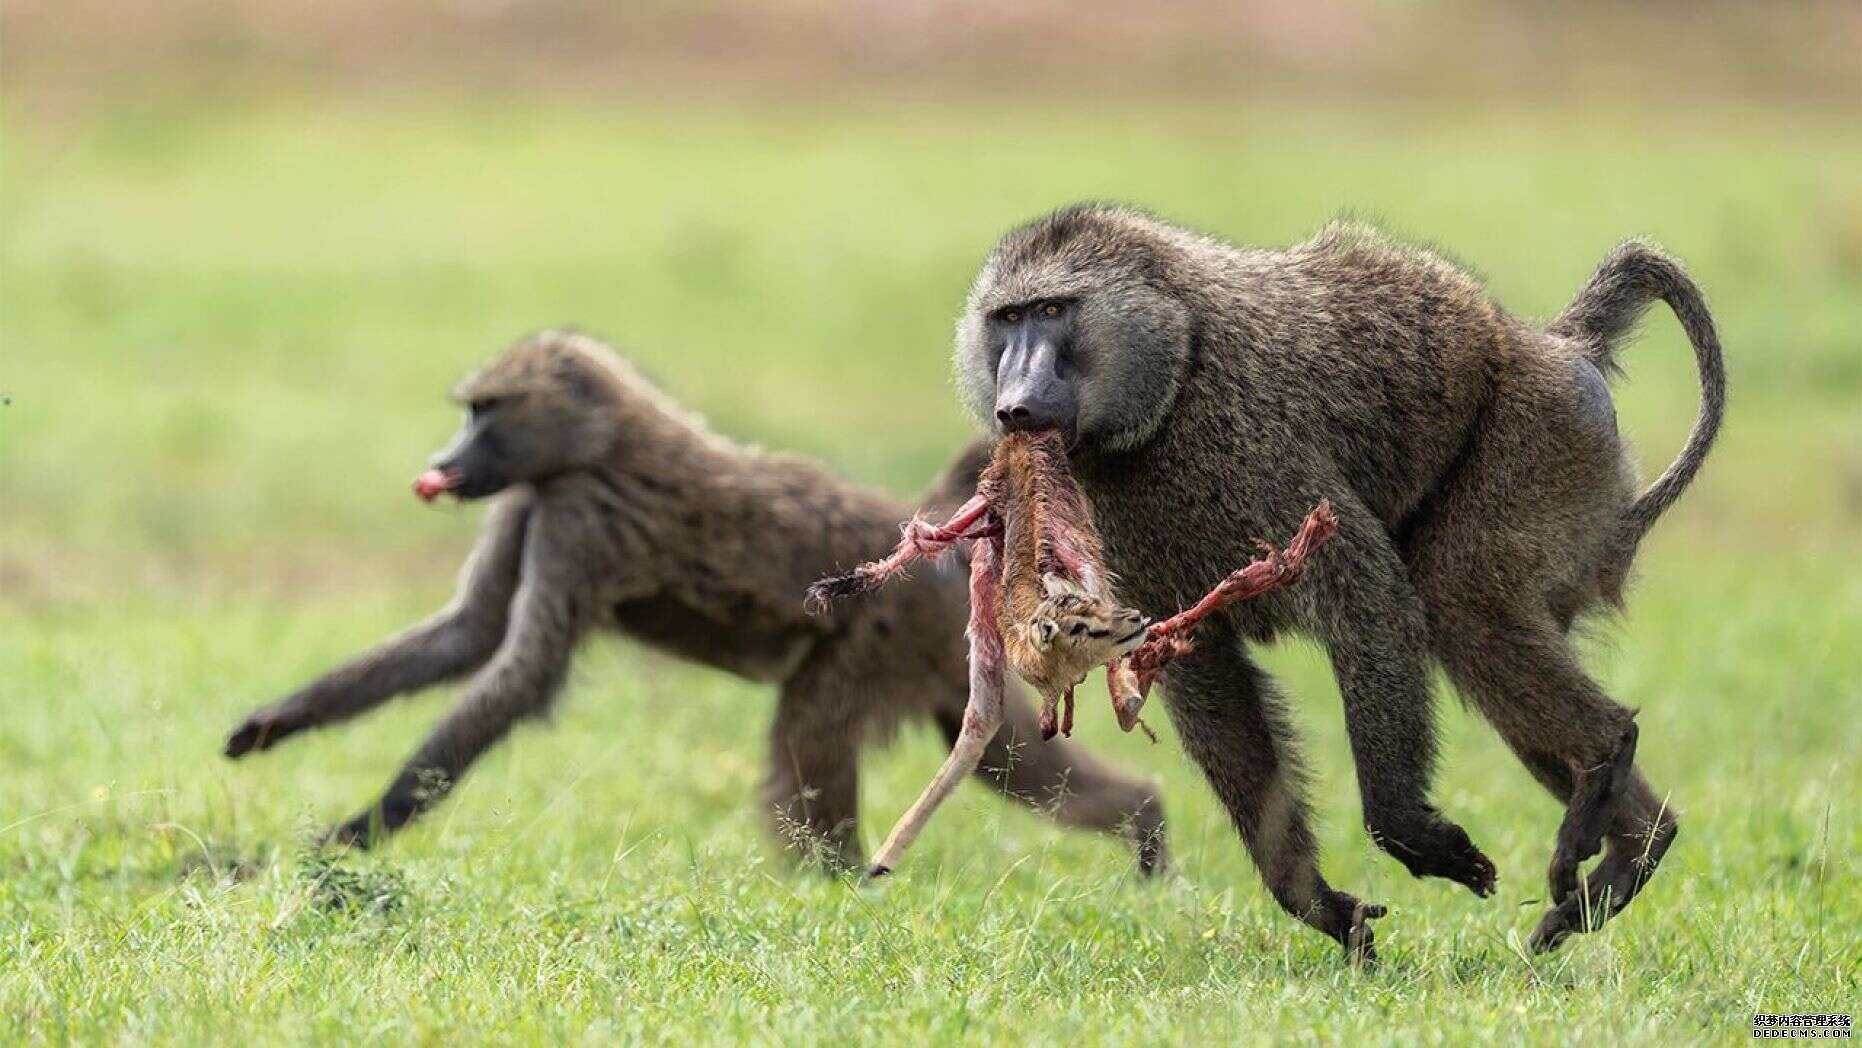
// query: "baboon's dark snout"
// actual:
[[1028, 414], [1032, 392]]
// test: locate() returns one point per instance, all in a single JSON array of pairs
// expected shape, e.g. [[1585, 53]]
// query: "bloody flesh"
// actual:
[[1028, 521], [434, 483]]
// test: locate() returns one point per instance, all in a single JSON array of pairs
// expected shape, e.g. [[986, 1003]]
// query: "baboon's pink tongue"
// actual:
[[434, 483]]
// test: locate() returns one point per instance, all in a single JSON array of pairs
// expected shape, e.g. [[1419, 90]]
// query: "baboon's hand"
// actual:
[[1349, 921], [260, 731], [1360, 943], [1469, 868], [1431, 846]]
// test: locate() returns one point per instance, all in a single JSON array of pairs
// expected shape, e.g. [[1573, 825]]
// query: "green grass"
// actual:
[[226, 335]]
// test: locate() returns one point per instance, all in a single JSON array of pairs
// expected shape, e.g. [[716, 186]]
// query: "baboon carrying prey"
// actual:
[[621, 510], [1485, 501]]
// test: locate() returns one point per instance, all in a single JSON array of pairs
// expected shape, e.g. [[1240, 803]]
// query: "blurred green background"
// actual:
[[246, 248]]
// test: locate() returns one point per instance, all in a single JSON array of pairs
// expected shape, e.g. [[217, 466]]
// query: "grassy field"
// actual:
[[226, 335]]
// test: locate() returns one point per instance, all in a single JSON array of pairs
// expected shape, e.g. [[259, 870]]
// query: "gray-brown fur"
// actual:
[[616, 509], [1485, 501]]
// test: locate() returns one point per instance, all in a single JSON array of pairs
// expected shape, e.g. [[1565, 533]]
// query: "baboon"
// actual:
[[618, 509], [1211, 393]]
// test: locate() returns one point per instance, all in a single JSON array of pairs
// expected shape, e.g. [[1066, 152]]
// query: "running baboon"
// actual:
[[619, 509], [1212, 393]]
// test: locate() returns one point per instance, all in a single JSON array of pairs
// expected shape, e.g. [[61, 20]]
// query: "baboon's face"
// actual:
[[536, 413], [1062, 336], [1036, 361], [479, 461]]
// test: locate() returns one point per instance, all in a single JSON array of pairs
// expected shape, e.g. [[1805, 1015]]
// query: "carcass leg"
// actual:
[[922, 540], [981, 717]]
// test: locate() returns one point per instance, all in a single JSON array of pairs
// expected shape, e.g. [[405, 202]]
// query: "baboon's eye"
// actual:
[[1011, 316], [482, 405], [1052, 309], [1078, 628]]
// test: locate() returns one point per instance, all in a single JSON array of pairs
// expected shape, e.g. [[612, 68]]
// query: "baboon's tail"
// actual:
[[1625, 283]]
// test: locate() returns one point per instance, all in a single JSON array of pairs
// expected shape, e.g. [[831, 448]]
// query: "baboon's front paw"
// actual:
[[1356, 936], [1472, 869], [1434, 847], [257, 733]]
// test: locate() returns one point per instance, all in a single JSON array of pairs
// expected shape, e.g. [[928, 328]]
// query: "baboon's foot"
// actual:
[[1628, 865], [374, 825], [1431, 846], [1593, 805], [261, 731], [361, 833], [1147, 829], [1347, 920]]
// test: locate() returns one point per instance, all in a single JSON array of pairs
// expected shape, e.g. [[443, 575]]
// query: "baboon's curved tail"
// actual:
[[1625, 283]]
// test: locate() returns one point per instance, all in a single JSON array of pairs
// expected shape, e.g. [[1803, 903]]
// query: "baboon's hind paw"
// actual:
[[1153, 853], [1592, 808], [1560, 922], [1620, 877]]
